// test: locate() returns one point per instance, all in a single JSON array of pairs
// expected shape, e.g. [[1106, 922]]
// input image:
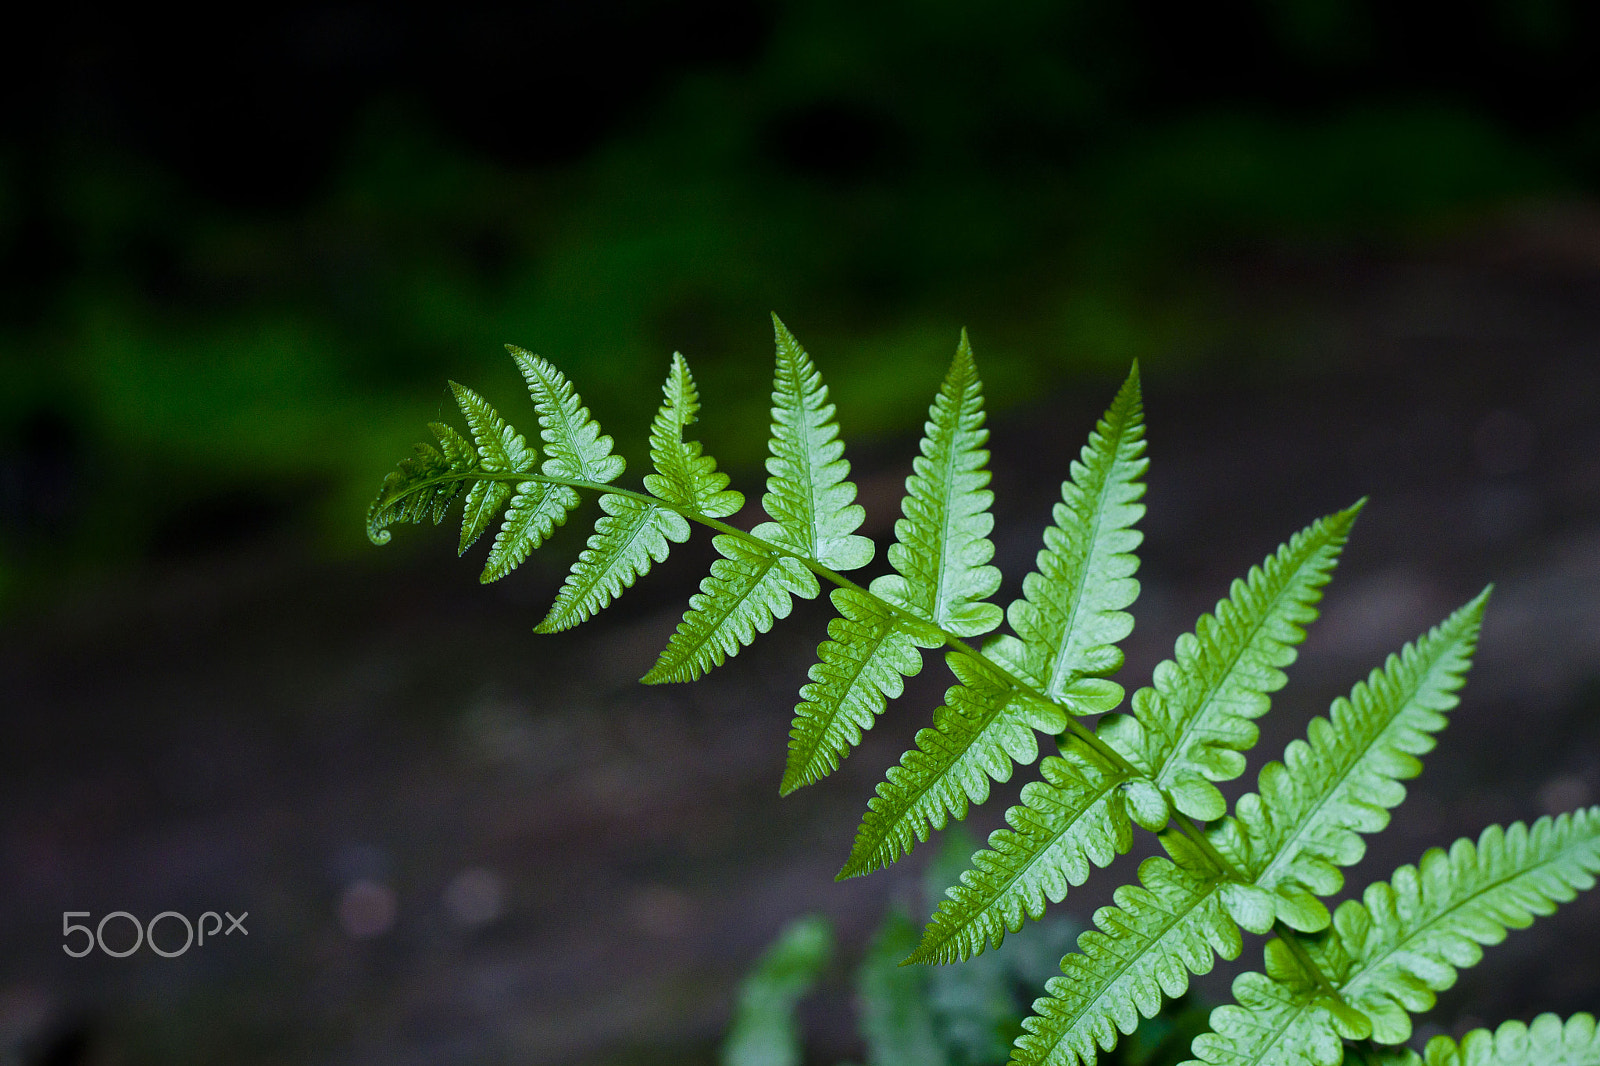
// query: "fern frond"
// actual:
[[535, 510], [1188, 728], [859, 667], [942, 547], [941, 553], [897, 1021], [683, 475], [1280, 1018], [422, 488], [501, 449], [1074, 819], [1159, 932], [633, 534], [1312, 807], [1391, 952], [1070, 616], [573, 442], [808, 495], [1547, 1041], [985, 725], [576, 449], [808, 498], [627, 539], [764, 1030], [745, 591]]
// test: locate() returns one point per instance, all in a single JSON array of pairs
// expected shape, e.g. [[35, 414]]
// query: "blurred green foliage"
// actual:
[[964, 1014], [184, 367]]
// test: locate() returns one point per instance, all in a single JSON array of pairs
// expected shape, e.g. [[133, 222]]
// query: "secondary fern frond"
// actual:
[[987, 723], [1546, 1041], [425, 484], [869, 650], [634, 533], [1070, 616], [684, 475], [1173, 924], [1074, 819], [941, 553], [1401, 944], [808, 495], [942, 548], [1188, 728], [746, 589], [1343, 780]]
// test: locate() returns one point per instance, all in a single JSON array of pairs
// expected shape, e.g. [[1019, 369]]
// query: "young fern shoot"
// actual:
[[1335, 982]]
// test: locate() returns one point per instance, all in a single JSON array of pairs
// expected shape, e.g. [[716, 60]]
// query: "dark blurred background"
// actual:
[[1356, 247]]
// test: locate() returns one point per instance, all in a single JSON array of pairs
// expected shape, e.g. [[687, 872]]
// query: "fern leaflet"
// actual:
[[985, 725], [683, 475], [1547, 1041], [941, 553], [942, 549], [868, 651], [633, 533], [747, 588], [1313, 806], [809, 500], [1174, 923], [808, 495], [1188, 727], [501, 450], [1071, 616], [1076, 817], [1402, 943]]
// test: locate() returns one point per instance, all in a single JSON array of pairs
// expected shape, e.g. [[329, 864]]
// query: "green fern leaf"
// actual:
[[942, 547], [633, 534], [1312, 808], [1280, 1018], [764, 1030], [576, 449], [869, 650], [745, 591], [535, 510], [573, 441], [892, 1001], [985, 725], [501, 450], [684, 476], [1392, 951], [808, 495], [1071, 616], [1547, 1041], [1159, 932], [627, 539], [422, 488], [1189, 727], [1074, 819], [941, 550]]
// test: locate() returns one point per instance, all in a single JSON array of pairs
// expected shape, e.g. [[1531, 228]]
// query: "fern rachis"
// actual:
[[1333, 979]]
